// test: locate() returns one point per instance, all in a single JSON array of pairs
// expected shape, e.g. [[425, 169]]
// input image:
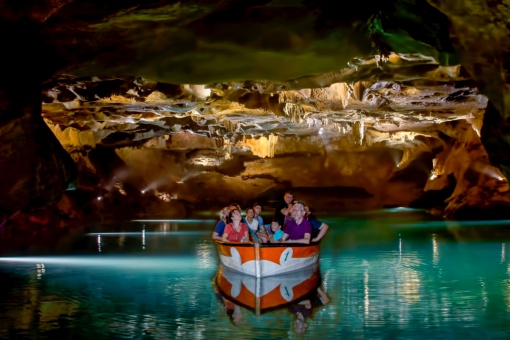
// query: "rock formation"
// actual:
[[165, 108]]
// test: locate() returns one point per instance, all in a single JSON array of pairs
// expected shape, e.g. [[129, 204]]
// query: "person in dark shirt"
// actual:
[[319, 228], [282, 211]]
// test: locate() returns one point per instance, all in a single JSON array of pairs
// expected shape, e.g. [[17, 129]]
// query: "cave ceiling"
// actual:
[[242, 92]]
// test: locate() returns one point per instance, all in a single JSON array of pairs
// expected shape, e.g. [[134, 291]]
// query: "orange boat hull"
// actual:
[[263, 260]]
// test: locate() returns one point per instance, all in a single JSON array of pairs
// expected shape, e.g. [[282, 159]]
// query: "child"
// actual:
[[276, 232]]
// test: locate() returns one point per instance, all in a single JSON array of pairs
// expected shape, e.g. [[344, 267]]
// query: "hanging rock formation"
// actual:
[[186, 106]]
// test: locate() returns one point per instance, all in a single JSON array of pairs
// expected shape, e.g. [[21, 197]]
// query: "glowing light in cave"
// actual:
[[175, 221], [186, 177], [488, 170], [190, 175], [120, 186], [205, 161], [165, 263], [155, 184], [434, 174], [40, 270], [102, 235], [325, 141], [165, 196], [492, 173], [397, 156], [143, 238]]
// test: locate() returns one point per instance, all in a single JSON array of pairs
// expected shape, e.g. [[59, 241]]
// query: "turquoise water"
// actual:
[[389, 274]]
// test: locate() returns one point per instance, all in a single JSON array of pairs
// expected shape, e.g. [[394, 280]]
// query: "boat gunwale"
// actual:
[[266, 245]]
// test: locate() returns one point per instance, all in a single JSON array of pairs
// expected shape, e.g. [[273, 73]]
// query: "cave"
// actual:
[[126, 126], [174, 103]]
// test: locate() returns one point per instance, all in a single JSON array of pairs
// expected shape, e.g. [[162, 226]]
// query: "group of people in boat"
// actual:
[[293, 222]]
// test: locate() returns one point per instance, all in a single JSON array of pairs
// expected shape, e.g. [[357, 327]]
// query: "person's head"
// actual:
[[233, 206], [298, 210], [308, 210], [235, 315], [250, 213], [224, 212], [234, 216], [257, 208], [275, 226], [288, 197], [299, 324]]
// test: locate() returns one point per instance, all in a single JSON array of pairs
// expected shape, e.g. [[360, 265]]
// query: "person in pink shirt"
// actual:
[[235, 230]]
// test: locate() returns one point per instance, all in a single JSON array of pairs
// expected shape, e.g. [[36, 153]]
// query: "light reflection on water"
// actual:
[[387, 274]]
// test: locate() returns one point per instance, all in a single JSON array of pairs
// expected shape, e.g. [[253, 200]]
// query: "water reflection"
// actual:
[[382, 282], [299, 292], [262, 294], [305, 307]]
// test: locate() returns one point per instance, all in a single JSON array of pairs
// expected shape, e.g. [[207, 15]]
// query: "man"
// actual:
[[319, 228], [298, 229], [257, 208], [282, 211]]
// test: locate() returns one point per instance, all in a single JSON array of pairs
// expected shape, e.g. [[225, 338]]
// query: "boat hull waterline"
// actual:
[[263, 260]]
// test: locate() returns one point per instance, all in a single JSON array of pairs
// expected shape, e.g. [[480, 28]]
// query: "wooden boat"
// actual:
[[263, 294], [262, 260]]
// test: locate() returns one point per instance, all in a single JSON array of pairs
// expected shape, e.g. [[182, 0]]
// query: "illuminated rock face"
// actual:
[[187, 106]]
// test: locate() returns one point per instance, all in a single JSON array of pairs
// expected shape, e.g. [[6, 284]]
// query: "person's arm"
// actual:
[[262, 230], [227, 231], [285, 211], [225, 237], [219, 228], [262, 238], [322, 231], [323, 296], [246, 237], [284, 237], [305, 239]]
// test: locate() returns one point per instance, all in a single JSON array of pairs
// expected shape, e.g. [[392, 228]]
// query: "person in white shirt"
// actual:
[[253, 224]]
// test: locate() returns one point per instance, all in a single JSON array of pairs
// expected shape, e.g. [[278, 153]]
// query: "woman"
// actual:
[[253, 224], [235, 230]]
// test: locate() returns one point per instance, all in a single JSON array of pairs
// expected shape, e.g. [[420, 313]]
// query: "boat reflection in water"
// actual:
[[261, 294]]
